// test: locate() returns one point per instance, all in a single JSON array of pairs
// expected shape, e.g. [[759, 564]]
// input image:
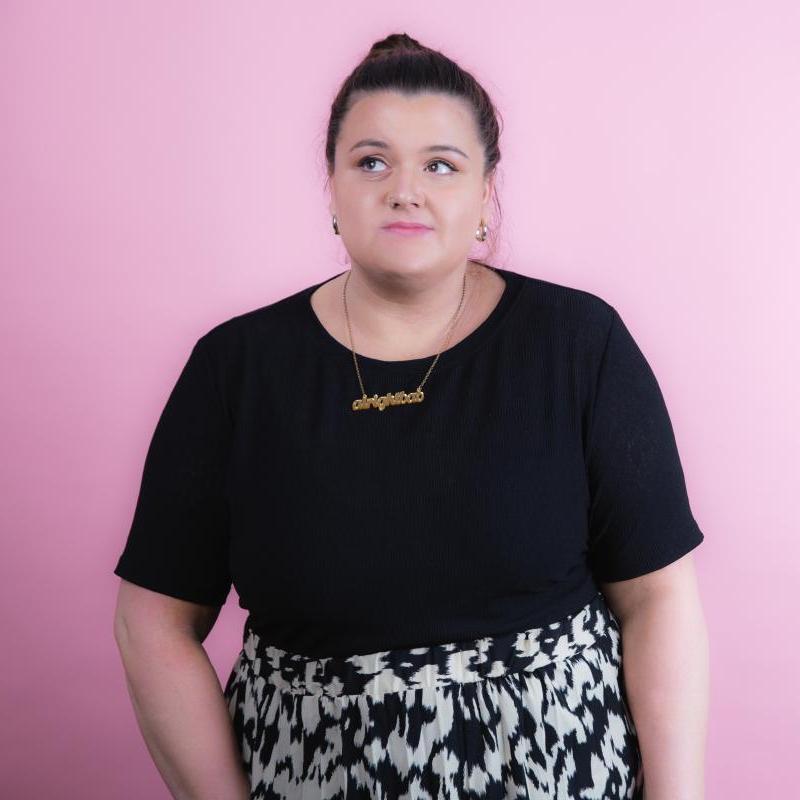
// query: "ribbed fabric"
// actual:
[[541, 463]]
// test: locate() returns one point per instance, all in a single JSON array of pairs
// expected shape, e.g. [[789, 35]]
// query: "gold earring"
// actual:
[[335, 226], [482, 231]]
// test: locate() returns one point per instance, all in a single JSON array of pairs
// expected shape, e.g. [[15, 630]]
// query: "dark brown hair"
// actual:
[[400, 63]]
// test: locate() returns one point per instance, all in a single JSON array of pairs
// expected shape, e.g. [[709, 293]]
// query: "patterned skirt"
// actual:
[[540, 713]]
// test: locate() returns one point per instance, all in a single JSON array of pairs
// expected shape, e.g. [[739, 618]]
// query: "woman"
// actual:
[[444, 492]]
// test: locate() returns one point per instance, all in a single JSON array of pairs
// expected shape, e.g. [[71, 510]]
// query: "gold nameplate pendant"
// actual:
[[381, 402]]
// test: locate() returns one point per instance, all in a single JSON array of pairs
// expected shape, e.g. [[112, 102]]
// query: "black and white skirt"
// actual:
[[540, 713]]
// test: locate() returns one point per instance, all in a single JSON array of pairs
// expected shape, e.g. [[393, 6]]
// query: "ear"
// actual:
[[488, 190], [332, 200]]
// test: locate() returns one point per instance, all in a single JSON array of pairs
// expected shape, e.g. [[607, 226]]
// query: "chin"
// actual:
[[413, 270], [402, 267]]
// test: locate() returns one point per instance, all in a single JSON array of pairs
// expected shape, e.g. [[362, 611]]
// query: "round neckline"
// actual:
[[514, 284]]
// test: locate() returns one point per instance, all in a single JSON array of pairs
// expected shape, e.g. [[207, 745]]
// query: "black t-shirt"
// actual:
[[541, 462]]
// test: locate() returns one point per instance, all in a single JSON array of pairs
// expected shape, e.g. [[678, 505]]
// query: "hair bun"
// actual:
[[395, 43]]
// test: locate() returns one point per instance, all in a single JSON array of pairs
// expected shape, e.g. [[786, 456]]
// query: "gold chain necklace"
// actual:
[[401, 397]]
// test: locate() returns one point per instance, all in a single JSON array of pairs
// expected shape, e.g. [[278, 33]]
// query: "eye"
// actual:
[[369, 158], [450, 166]]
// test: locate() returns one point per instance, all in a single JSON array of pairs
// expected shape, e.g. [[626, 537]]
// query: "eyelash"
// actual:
[[435, 161]]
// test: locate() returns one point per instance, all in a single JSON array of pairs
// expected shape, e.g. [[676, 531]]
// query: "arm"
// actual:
[[176, 695], [666, 672]]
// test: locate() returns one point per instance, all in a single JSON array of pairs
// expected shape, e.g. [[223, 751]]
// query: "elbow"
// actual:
[[674, 583]]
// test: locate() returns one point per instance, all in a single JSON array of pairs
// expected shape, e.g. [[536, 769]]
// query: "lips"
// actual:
[[405, 230], [407, 226]]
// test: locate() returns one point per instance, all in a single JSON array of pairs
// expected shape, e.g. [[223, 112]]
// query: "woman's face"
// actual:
[[392, 166]]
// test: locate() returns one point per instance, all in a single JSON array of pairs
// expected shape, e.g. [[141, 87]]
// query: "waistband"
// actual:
[[375, 674]]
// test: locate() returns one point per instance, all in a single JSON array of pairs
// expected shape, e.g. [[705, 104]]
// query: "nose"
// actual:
[[396, 200], [403, 192]]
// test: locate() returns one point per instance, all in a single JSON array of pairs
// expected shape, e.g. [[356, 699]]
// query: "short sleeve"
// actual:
[[639, 514], [178, 540]]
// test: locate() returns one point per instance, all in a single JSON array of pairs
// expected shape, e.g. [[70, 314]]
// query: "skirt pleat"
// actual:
[[539, 713]]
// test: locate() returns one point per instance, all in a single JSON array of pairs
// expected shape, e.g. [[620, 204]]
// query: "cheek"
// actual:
[[461, 221]]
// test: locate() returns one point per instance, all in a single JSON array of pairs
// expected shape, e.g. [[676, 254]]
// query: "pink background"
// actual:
[[162, 170]]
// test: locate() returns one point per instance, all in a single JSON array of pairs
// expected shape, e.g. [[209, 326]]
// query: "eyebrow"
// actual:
[[434, 148]]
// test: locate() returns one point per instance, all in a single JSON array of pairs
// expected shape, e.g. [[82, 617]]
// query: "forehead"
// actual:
[[410, 120]]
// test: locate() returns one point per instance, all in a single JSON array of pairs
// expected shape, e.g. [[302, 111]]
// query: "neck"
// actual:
[[409, 313]]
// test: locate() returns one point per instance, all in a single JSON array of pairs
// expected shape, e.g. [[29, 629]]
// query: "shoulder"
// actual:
[[567, 310], [255, 327], [233, 346], [261, 318]]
